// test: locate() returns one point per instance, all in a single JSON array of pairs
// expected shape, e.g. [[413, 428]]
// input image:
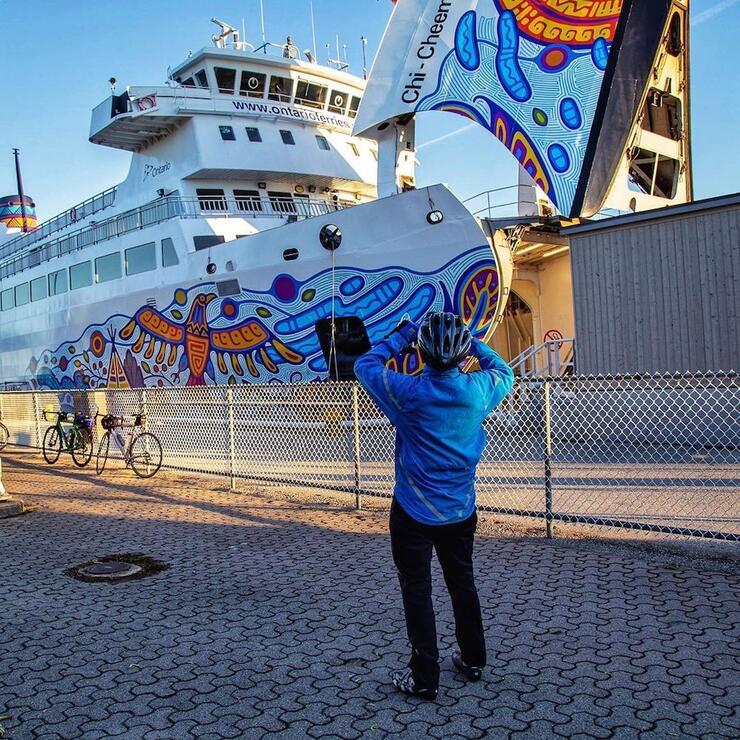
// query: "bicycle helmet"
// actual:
[[444, 341]]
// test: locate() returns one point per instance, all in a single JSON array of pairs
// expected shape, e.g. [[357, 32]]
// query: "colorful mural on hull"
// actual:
[[268, 336], [529, 71]]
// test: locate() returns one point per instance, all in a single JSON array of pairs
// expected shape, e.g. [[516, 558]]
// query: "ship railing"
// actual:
[[165, 209], [70, 217], [510, 200]]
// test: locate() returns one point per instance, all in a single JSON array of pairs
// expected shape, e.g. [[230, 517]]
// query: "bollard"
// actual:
[[548, 461]]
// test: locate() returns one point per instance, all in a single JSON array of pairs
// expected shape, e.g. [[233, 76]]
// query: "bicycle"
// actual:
[[4, 436], [141, 451], [78, 441]]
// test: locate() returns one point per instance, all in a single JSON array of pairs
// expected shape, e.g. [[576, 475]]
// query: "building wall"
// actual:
[[556, 297], [659, 295]]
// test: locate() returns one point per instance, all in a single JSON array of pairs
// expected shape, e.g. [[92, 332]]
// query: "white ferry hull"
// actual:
[[180, 325]]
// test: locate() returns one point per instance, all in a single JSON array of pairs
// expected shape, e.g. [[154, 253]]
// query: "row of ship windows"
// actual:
[[282, 89], [142, 258], [254, 135]]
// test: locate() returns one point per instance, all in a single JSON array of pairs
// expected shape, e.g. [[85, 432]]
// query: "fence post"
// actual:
[[36, 421], [548, 460], [356, 434], [230, 425]]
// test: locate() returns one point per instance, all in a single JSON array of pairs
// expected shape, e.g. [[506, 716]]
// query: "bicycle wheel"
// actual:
[[52, 445], [82, 447], [4, 436], [103, 448], [145, 455]]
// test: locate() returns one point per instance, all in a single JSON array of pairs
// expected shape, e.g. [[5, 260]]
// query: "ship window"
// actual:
[[654, 174], [374, 152], [211, 199], [337, 102], [22, 294], [80, 275], [169, 254], [281, 202], [253, 84], [141, 259], [227, 133], [38, 288], [310, 94], [280, 89], [662, 114], [674, 36], [323, 143], [207, 241], [57, 282], [354, 104], [248, 200], [201, 78], [253, 134], [225, 79], [354, 149], [287, 137], [188, 82], [7, 300], [108, 267]]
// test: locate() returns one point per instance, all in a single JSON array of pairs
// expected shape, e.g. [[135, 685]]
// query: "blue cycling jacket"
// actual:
[[438, 417]]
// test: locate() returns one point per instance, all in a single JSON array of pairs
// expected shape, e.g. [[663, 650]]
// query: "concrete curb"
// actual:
[[11, 507]]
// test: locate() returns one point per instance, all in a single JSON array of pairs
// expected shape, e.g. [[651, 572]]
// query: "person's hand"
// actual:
[[407, 329]]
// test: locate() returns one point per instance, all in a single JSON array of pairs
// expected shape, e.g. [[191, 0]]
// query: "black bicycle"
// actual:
[[77, 440], [4, 436], [141, 451]]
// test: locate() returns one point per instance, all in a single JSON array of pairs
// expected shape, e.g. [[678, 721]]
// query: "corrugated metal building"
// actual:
[[659, 291]]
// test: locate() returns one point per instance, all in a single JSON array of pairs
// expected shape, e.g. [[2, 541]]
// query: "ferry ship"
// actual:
[[247, 243]]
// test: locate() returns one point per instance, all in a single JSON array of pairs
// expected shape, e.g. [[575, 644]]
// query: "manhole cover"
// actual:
[[116, 568]]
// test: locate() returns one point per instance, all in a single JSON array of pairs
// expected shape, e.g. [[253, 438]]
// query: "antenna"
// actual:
[[313, 29], [21, 194], [262, 24], [244, 30], [364, 57], [219, 39]]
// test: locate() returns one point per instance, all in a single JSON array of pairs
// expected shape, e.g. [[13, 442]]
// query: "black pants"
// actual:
[[412, 543]]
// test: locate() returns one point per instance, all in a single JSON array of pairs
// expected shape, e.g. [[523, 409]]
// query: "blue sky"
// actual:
[[56, 59]]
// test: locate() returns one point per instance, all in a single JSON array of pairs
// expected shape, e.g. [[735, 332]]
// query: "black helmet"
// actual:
[[444, 341]]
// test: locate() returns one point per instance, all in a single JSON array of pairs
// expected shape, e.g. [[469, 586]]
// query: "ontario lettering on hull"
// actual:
[[152, 171], [537, 74], [291, 111]]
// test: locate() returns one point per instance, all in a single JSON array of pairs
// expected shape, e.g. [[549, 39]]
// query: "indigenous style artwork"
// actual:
[[266, 336], [529, 71]]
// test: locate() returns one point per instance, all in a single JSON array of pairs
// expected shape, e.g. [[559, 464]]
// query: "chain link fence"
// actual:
[[657, 453]]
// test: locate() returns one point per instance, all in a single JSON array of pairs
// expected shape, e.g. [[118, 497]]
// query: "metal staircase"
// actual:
[[552, 357]]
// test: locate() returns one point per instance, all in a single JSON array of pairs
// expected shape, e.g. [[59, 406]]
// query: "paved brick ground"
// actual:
[[279, 614]]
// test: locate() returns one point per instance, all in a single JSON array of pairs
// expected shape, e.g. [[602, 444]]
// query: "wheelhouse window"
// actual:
[[323, 143], [38, 288], [281, 89], [354, 105], [310, 94], [207, 241], [80, 275], [7, 299], [227, 133], [225, 79], [281, 202], [248, 200], [188, 82], [22, 294], [201, 78], [57, 282], [354, 149], [211, 199], [141, 259], [253, 134], [338, 102], [108, 267], [253, 84], [287, 137], [169, 253], [653, 173]]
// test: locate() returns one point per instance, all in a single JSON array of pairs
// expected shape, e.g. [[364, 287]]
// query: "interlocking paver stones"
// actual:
[[279, 616]]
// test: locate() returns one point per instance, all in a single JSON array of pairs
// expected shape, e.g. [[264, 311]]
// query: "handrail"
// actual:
[[69, 217], [528, 364], [164, 209]]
